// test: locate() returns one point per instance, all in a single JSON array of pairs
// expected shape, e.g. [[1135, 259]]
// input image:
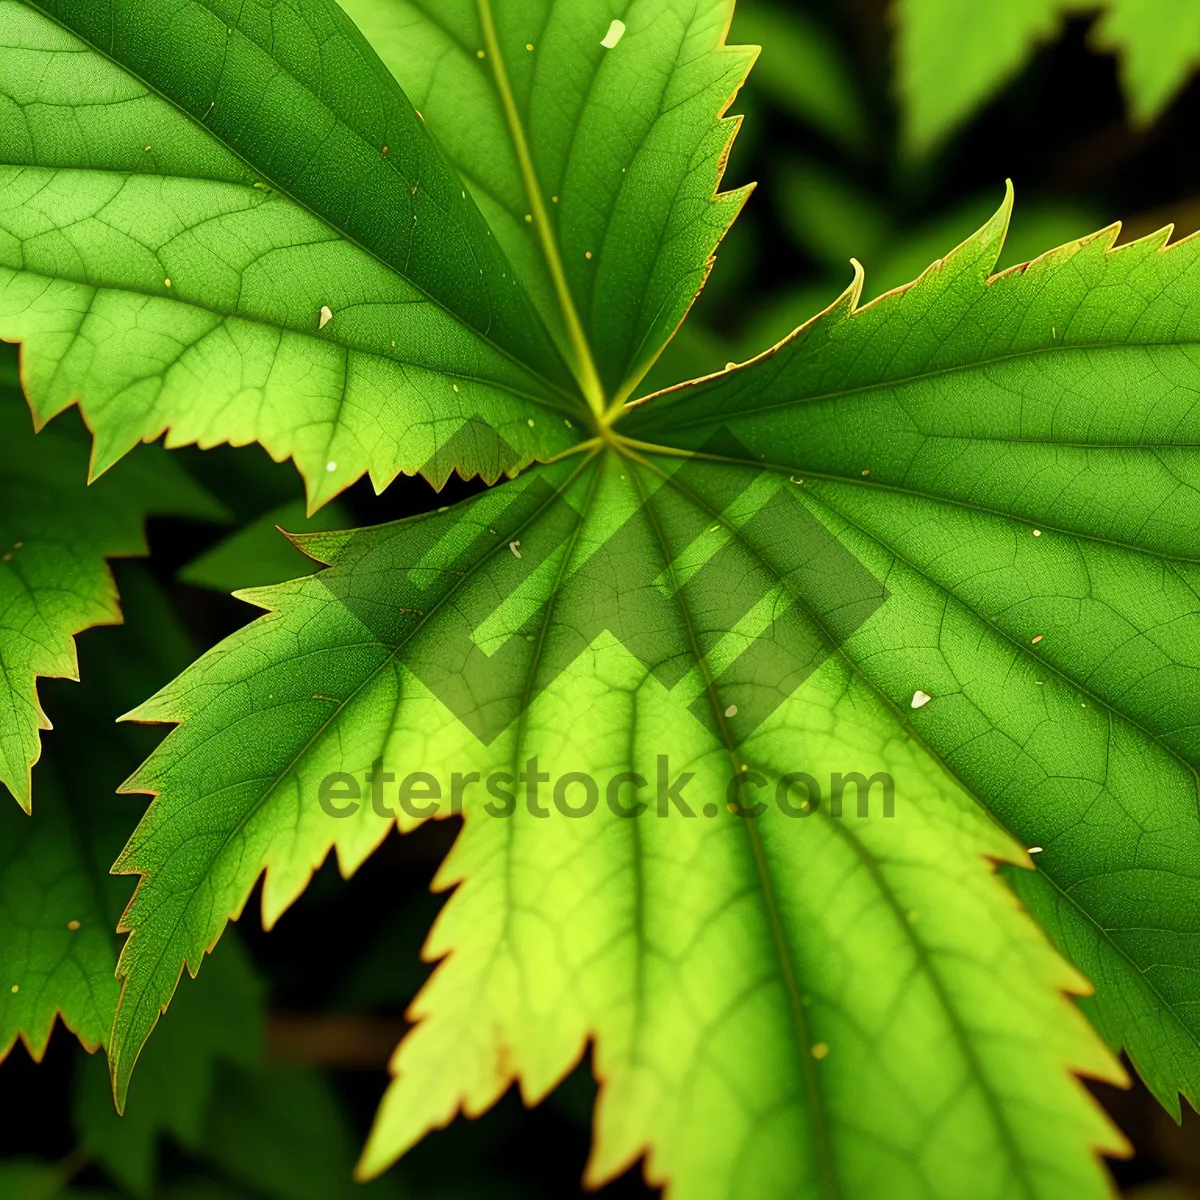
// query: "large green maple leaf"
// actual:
[[1011, 457], [939, 543], [56, 536]]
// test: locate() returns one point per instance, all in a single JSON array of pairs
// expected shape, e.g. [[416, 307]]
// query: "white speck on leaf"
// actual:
[[326, 316], [1035, 849], [530, 422], [731, 711], [616, 31], [1038, 638], [331, 466], [1037, 533], [920, 698], [515, 547]]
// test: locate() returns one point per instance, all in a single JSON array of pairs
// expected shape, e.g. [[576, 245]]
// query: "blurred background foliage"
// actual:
[[879, 131]]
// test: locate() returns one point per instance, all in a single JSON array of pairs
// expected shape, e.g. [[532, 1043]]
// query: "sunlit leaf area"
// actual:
[[599, 597]]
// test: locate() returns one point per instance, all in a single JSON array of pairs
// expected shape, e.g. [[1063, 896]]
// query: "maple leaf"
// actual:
[[935, 549]]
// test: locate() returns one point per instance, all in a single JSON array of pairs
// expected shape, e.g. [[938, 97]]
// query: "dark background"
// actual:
[[351, 949]]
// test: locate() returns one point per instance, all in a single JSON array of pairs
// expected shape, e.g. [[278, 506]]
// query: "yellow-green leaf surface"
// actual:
[[1017, 457], [56, 534], [589, 133], [939, 546], [227, 223], [952, 56], [809, 1002]]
